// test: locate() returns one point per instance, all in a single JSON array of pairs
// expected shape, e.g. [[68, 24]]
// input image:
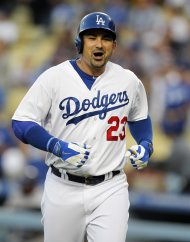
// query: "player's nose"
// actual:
[[98, 42]]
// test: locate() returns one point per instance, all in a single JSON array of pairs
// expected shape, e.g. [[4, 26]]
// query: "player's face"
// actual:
[[98, 46]]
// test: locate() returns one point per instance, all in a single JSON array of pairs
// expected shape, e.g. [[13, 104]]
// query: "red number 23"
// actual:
[[115, 123]]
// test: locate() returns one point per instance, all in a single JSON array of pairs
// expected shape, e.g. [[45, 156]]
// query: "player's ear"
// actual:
[[114, 44]]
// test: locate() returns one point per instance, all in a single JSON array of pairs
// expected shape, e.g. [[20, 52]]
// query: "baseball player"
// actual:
[[78, 112]]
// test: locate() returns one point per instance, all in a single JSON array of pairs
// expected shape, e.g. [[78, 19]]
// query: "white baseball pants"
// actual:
[[70, 210]]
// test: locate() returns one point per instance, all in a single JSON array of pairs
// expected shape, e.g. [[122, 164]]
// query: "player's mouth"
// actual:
[[98, 55]]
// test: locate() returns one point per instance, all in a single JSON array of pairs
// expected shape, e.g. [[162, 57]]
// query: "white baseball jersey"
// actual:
[[61, 102]]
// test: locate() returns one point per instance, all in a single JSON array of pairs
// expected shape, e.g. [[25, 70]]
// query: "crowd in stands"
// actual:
[[153, 41]]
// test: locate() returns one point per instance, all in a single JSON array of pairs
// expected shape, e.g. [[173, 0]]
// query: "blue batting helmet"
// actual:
[[95, 20]]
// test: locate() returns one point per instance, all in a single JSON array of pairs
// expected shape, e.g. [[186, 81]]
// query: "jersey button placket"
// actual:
[[95, 117]]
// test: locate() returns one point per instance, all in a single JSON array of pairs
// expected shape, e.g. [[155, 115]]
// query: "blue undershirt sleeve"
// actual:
[[142, 133], [32, 133], [141, 130]]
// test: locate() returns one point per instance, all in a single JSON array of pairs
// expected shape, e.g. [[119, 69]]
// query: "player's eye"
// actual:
[[91, 37], [108, 38]]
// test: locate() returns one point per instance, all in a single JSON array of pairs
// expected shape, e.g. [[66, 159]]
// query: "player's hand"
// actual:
[[139, 155], [73, 153]]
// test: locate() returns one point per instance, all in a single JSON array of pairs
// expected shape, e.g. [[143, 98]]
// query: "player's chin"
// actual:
[[98, 63]]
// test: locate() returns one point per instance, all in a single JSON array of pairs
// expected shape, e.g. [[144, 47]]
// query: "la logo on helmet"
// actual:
[[99, 20]]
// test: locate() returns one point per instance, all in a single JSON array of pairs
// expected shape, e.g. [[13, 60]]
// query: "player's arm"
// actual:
[[142, 133], [32, 133]]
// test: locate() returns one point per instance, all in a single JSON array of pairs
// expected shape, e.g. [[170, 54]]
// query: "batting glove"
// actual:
[[139, 154], [73, 153]]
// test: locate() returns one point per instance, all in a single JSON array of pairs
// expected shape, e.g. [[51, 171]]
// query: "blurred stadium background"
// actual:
[[154, 42]]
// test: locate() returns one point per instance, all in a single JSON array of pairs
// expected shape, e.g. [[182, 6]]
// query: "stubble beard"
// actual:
[[98, 64]]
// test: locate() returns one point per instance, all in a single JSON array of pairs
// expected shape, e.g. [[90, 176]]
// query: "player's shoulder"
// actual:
[[53, 71], [124, 72], [59, 67]]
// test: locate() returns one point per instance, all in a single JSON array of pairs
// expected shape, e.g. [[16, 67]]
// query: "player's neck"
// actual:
[[93, 71]]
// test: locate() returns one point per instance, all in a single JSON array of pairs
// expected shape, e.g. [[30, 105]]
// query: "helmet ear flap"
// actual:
[[79, 44]]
